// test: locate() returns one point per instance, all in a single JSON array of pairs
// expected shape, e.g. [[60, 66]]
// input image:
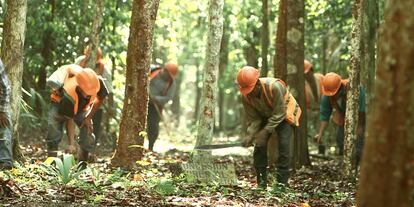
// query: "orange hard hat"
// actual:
[[307, 66], [331, 83], [87, 52], [88, 81], [247, 78], [172, 69]]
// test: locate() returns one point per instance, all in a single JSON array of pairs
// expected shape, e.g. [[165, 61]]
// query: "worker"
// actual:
[[162, 90], [103, 71], [76, 97], [6, 127], [334, 98], [269, 108]]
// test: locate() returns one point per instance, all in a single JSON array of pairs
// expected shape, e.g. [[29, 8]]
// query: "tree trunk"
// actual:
[[295, 76], [265, 38], [12, 55], [289, 66], [280, 59], [370, 21], [352, 102], [386, 171], [198, 94], [208, 99], [134, 114], [176, 103], [47, 49], [224, 59], [94, 38]]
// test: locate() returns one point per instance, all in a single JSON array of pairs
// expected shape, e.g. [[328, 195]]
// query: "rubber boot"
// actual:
[[52, 150], [321, 149], [83, 157], [261, 176], [282, 177]]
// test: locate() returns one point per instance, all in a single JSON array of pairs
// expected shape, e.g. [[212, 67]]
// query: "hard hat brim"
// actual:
[[328, 93], [246, 90]]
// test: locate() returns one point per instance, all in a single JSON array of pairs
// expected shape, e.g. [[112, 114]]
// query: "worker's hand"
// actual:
[[87, 122], [4, 121], [318, 138], [248, 142], [71, 149]]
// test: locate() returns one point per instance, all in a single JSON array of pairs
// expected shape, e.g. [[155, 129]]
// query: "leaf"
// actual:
[[143, 163]]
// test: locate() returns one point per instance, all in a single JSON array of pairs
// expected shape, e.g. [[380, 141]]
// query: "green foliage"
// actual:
[[64, 170]]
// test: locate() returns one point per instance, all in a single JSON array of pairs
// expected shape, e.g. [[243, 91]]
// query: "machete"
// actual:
[[218, 146]]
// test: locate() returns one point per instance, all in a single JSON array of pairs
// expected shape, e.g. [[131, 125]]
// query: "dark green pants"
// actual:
[[284, 132]]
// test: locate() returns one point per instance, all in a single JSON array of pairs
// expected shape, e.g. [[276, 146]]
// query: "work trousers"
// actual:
[[284, 132], [359, 144], [6, 152], [153, 124], [56, 125]]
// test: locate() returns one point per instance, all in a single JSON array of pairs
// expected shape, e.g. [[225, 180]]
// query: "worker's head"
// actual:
[[88, 82], [307, 66], [172, 69], [331, 83], [87, 52], [247, 79]]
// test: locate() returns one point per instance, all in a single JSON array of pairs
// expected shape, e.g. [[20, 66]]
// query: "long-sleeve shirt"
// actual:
[[4, 89], [259, 114], [326, 106], [161, 90]]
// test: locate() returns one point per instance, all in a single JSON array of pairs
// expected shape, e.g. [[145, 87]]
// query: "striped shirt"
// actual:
[[4, 89]]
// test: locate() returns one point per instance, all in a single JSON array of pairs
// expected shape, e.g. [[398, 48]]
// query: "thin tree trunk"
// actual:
[[208, 100], [372, 19], [352, 103], [265, 38], [280, 59], [198, 95], [96, 27], [134, 114], [224, 59], [295, 76], [47, 49], [12, 55], [176, 103], [387, 166]]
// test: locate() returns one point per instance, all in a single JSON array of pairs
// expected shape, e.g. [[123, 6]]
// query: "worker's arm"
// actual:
[[253, 122], [325, 114], [70, 131], [161, 100], [310, 78]]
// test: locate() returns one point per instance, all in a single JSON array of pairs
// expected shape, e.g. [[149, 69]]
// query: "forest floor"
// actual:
[[156, 182]]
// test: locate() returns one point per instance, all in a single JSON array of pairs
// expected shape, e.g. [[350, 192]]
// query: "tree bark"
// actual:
[[224, 59], [295, 76], [280, 59], [94, 38], [208, 99], [387, 166], [47, 50], [12, 55], [289, 66], [370, 21], [265, 38], [134, 114], [176, 102], [352, 103]]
